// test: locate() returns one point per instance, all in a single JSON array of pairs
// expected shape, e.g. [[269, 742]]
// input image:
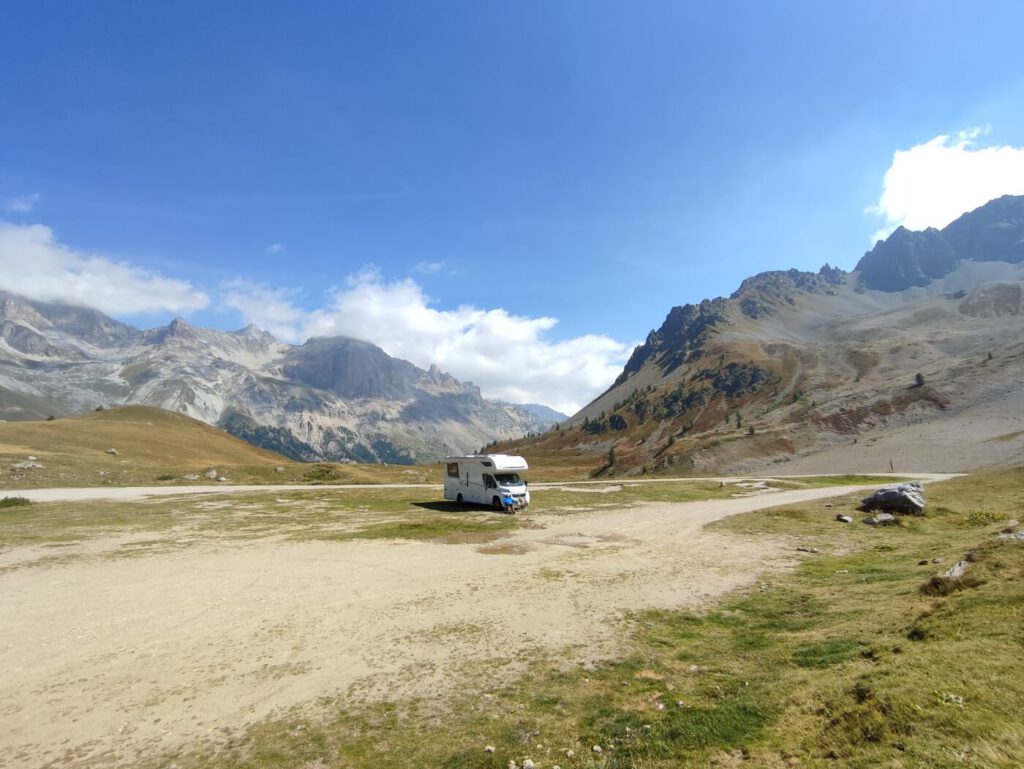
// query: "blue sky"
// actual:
[[518, 191]]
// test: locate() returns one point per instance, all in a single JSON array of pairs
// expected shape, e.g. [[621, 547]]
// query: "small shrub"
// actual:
[[982, 518], [15, 502], [165, 477], [321, 473], [943, 586]]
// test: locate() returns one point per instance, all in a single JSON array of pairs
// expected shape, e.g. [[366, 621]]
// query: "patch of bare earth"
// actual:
[[106, 660]]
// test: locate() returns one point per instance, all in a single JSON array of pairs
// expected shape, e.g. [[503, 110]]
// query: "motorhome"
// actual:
[[487, 479]]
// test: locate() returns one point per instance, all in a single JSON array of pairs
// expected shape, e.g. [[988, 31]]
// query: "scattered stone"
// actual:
[[957, 570], [112, 452], [279, 469], [828, 504], [844, 518], [803, 549], [211, 473], [882, 519], [923, 563], [597, 749], [28, 466], [1017, 536], [512, 764], [680, 704], [1011, 524], [938, 560], [191, 477], [221, 479], [31, 459], [570, 753], [527, 763], [694, 669], [102, 472], [904, 498], [488, 749]]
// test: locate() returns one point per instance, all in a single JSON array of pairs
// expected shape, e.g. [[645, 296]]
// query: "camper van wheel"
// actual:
[[458, 499], [496, 503]]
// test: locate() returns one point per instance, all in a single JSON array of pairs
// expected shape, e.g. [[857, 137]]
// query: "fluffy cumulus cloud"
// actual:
[[33, 263], [508, 356], [931, 184]]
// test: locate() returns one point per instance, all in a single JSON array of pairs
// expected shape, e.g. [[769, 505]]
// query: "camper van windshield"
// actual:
[[510, 479]]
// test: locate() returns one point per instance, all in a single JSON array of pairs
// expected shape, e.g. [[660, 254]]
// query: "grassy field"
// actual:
[[858, 658], [330, 514], [156, 447]]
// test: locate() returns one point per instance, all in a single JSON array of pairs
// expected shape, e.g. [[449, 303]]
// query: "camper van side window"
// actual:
[[453, 469]]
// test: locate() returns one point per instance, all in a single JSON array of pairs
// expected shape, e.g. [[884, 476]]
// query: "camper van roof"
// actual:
[[501, 462]]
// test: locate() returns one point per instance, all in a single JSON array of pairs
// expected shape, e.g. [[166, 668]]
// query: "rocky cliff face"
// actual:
[[336, 399], [994, 233]]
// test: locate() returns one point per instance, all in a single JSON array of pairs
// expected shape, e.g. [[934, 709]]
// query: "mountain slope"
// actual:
[[338, 398], [797, 365]]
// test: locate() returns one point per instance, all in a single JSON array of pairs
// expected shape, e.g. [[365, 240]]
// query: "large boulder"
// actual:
[[906, 498]]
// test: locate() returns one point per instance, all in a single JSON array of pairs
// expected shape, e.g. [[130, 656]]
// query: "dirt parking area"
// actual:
[[110, 659]]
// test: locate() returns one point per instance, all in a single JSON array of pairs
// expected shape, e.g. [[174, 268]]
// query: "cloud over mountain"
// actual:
[[34, 263], [933, 183], [508, 356]]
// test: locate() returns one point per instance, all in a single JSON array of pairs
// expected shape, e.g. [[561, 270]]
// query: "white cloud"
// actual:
[[21, 205], [272, 309], [275, 248], [35, 265], [429, 268], [506, 355], [933, 183]]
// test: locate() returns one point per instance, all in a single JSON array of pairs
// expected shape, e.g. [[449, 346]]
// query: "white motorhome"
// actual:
[[487, 479]]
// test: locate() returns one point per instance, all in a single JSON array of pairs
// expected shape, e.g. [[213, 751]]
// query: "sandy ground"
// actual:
[[106, 660]]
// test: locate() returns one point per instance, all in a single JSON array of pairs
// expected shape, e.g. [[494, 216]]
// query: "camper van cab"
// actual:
[[487, 479]]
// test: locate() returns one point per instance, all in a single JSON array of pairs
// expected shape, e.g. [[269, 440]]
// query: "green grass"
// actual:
[[581, 498], [845, 662], [329, 514], [817, 481]]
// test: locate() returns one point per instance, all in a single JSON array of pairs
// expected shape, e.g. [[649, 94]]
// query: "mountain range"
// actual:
[[913, 359], [333, 398]]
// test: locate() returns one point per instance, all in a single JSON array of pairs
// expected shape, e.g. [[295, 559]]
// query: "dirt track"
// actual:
[[106, 660]]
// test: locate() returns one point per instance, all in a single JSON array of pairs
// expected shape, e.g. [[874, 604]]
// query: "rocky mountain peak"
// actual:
[[685, 331], [760, 295], [83, 323], [908, 258]]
